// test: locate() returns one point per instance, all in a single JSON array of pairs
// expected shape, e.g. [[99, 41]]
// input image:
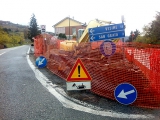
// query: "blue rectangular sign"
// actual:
[[105, 36], [105, 29]]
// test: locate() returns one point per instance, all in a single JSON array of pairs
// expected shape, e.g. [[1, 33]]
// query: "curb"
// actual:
[[75, 104]]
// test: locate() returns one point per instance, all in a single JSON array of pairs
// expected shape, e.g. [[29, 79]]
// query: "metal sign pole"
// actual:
[[43, 30], [123, 20], [69, 27]]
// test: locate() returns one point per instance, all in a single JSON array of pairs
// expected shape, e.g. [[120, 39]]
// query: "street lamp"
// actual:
[[69, 28]]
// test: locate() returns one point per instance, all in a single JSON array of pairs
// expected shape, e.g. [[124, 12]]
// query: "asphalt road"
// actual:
[[23, 97]]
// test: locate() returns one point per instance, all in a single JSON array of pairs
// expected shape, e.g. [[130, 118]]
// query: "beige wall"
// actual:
[[77, 28], [65, 23]]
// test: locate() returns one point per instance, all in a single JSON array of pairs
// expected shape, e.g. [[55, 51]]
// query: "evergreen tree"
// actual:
[[136, 34], [133, 35], [130, 37], [33, 28]]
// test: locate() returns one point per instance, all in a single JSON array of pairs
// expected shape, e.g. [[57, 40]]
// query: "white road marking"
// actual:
[[52, 88], [2, 53], [9, 49]]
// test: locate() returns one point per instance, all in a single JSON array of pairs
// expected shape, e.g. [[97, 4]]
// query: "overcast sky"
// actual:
[[137, 13]]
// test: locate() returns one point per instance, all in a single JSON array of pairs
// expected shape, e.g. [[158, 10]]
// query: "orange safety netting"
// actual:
[[134, 63]]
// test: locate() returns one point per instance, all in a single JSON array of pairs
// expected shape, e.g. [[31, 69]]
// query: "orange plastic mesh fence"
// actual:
[[134, 63], [41, 43]]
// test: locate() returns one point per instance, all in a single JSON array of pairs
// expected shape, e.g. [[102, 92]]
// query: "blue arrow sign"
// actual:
[[125, 93], [41, 62], [105, 36], [108, 28]]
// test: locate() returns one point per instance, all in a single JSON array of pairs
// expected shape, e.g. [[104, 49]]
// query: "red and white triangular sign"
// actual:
[[79, 72]]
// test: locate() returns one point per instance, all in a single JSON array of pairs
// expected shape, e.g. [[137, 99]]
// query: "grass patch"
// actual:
[[9, 45], [25, 42]]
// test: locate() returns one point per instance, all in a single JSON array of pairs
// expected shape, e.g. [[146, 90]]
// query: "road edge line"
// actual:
[[70, 104]]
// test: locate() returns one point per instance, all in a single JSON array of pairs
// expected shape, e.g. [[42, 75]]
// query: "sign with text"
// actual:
[[106, 29], [43, 28], [105, 36], [107, 32]]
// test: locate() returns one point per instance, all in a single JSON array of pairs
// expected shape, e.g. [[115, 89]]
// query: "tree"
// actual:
[[136, 34], [4, 38], [152, 30], [5, 29], [33, 28], [62, 36], [155, 27], [130, 37], [133, 35], [25, 31]]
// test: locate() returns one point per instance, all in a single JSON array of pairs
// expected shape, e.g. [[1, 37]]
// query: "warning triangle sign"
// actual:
[[79, 72]]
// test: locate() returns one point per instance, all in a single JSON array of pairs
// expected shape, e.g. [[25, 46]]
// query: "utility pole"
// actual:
[[69, 28]]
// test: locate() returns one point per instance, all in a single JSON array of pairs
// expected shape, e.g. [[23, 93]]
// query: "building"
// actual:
[[69, 27]]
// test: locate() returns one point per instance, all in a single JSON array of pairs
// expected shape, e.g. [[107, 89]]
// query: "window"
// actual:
[[73, 31], [60, 30]]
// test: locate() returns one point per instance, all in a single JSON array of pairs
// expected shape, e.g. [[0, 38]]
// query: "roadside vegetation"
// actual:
[[150, 34], [12, 35], [9, 38], [62, 36]]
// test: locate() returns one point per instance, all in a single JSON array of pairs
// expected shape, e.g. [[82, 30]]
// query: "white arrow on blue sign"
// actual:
[[41, 62], [108, 28], [125, 93], [105, 36]]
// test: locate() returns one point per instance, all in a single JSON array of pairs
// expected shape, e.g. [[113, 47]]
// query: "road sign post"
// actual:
[[79, 78], [107, 48], [41, 62], [43, 28], [79, 72], [123, 20]]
